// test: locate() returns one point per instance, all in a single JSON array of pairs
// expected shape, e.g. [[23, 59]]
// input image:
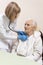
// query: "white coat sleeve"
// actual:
[[37, 49], [4, 35]]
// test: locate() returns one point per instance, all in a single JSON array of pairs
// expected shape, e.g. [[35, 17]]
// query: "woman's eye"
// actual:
[[25, 24], [28, 24]]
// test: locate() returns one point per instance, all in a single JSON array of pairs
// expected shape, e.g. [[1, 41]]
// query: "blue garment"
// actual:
[[22, 35]]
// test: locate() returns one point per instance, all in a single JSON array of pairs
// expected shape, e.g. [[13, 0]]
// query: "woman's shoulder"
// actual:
[[1, 20], [37, 34], [1, 17]]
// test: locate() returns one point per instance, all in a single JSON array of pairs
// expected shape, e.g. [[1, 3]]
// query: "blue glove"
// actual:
[[22, 35]]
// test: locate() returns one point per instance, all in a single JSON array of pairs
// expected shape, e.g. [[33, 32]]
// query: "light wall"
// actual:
[[29, 9]]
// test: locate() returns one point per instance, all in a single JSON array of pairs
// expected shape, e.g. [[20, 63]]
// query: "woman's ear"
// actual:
[[34, 28]]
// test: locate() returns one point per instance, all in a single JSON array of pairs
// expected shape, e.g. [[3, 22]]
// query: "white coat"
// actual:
[[6, 35], [32, 47]]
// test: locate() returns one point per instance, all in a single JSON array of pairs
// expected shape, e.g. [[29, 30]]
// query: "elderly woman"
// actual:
[[7, 24], [32, 46]]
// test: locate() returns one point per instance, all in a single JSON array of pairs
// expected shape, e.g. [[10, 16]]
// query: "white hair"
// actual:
[[34, 23]]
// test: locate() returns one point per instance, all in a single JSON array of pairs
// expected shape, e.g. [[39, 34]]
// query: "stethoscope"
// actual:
[[11, 28]]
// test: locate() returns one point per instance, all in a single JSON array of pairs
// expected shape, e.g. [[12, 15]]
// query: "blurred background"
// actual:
[[29, 9]]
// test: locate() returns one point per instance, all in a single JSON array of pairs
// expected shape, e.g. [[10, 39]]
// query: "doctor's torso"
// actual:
[[4, 22]]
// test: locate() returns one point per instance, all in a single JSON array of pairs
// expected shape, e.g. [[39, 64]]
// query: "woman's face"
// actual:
[[28, 27]]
